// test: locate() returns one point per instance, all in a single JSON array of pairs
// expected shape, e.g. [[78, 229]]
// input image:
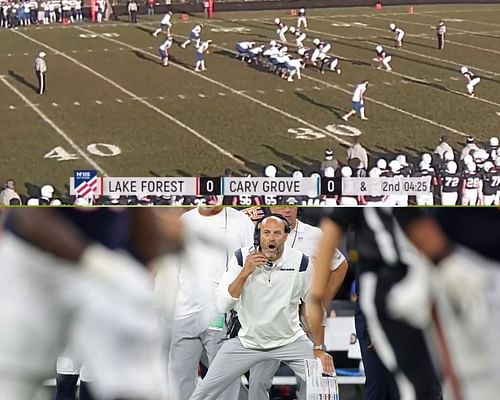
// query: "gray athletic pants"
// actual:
[[189, 340], [261, 379], [233, 360]]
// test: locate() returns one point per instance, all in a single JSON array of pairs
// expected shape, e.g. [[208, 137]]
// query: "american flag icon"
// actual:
[[86, 182]]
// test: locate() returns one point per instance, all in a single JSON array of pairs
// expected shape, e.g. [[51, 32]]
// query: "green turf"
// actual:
[[246, 116]]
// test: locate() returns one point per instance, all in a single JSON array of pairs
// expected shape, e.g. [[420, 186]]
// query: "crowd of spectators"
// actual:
[[481, 158]]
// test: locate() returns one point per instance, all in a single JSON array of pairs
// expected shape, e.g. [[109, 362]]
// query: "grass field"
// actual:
[[111, 106]]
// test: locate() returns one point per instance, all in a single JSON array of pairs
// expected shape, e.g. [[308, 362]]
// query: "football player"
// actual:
[[201, 50], [194, 37], [281, 29], [399, 34], [330, 63], [242, 49], [471, 79], [79, 277], [163, 50], [490, 186], [165, 24], [358, 101], [441, 34], [320, 50], [382, 58], [301, 18], [449, 181], [299, 36], [471, 184], [293, 67]]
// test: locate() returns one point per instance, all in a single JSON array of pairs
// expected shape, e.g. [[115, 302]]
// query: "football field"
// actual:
[[110, 105]]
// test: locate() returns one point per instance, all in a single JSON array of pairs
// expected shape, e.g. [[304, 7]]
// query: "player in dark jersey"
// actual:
[[490, 185], [385, 259], [472, 80], [78, 276], [382, 58], [449, 182], [471, 181]]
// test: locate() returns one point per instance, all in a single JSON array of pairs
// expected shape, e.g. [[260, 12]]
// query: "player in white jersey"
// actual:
[[301, 18], [292, 68], [281, 29], [194, 37], [254, 53], [358, 101], [242, 49], [382, 58], [299, 36], [200, 56], [471, 79], [165, 24], [399, 34], [163, 50]]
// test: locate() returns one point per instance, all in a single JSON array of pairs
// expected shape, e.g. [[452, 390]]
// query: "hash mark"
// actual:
[[438, 80], [180, 96], [201, 95], [161, 98], [119, 101], [388, 83], [221, 94], [12, 107], [260, 91], [454, 78], [76, 103], [317, 88], [55, 105], [98, 102], [89, 50], [280, 90], [299, 89]]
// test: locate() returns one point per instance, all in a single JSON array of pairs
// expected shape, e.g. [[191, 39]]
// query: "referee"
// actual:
[[40, 71], [385, 260], [440, 34]]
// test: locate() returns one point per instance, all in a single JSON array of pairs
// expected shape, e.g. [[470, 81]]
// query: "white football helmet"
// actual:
[[426, 157], [297, 174], [270, 171], [392, 26], [471, 167], [424, 166], [302, 51], [451, 167], [401, 158], [302, 10], [292, 29], [272, 43], [42, 54], [316, 41], [381, 164], [494, 141], [468, 159], [463, 70], [329, 172], [346, 172], [448, 156], [395, 166], [277, 21], [488, 165], [374, 172], [379, 48]]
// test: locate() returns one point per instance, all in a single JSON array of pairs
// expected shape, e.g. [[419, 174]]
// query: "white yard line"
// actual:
[[229, 89], [56, 128], [133, 95], [447, 40], [411, 52], [380, 103]]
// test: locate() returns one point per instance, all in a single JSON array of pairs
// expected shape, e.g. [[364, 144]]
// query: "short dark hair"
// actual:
[[15, 202]]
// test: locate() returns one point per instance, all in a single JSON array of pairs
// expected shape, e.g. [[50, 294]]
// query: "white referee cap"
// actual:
[[42, 54]]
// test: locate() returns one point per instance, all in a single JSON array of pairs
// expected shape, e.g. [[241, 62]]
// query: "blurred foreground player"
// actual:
[[77, 277], [385, 259], [463, 244]]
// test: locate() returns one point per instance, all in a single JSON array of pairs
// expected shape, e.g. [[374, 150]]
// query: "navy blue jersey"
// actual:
[[110, 227], [491, 182]]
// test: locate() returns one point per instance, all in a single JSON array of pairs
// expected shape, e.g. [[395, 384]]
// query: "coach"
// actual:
[[264, 283]]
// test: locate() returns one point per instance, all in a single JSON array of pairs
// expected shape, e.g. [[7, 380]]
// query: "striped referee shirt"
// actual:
[[40, 65], [378, 237]]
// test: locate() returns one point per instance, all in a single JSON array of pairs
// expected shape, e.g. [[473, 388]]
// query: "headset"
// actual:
[[256, 233]]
